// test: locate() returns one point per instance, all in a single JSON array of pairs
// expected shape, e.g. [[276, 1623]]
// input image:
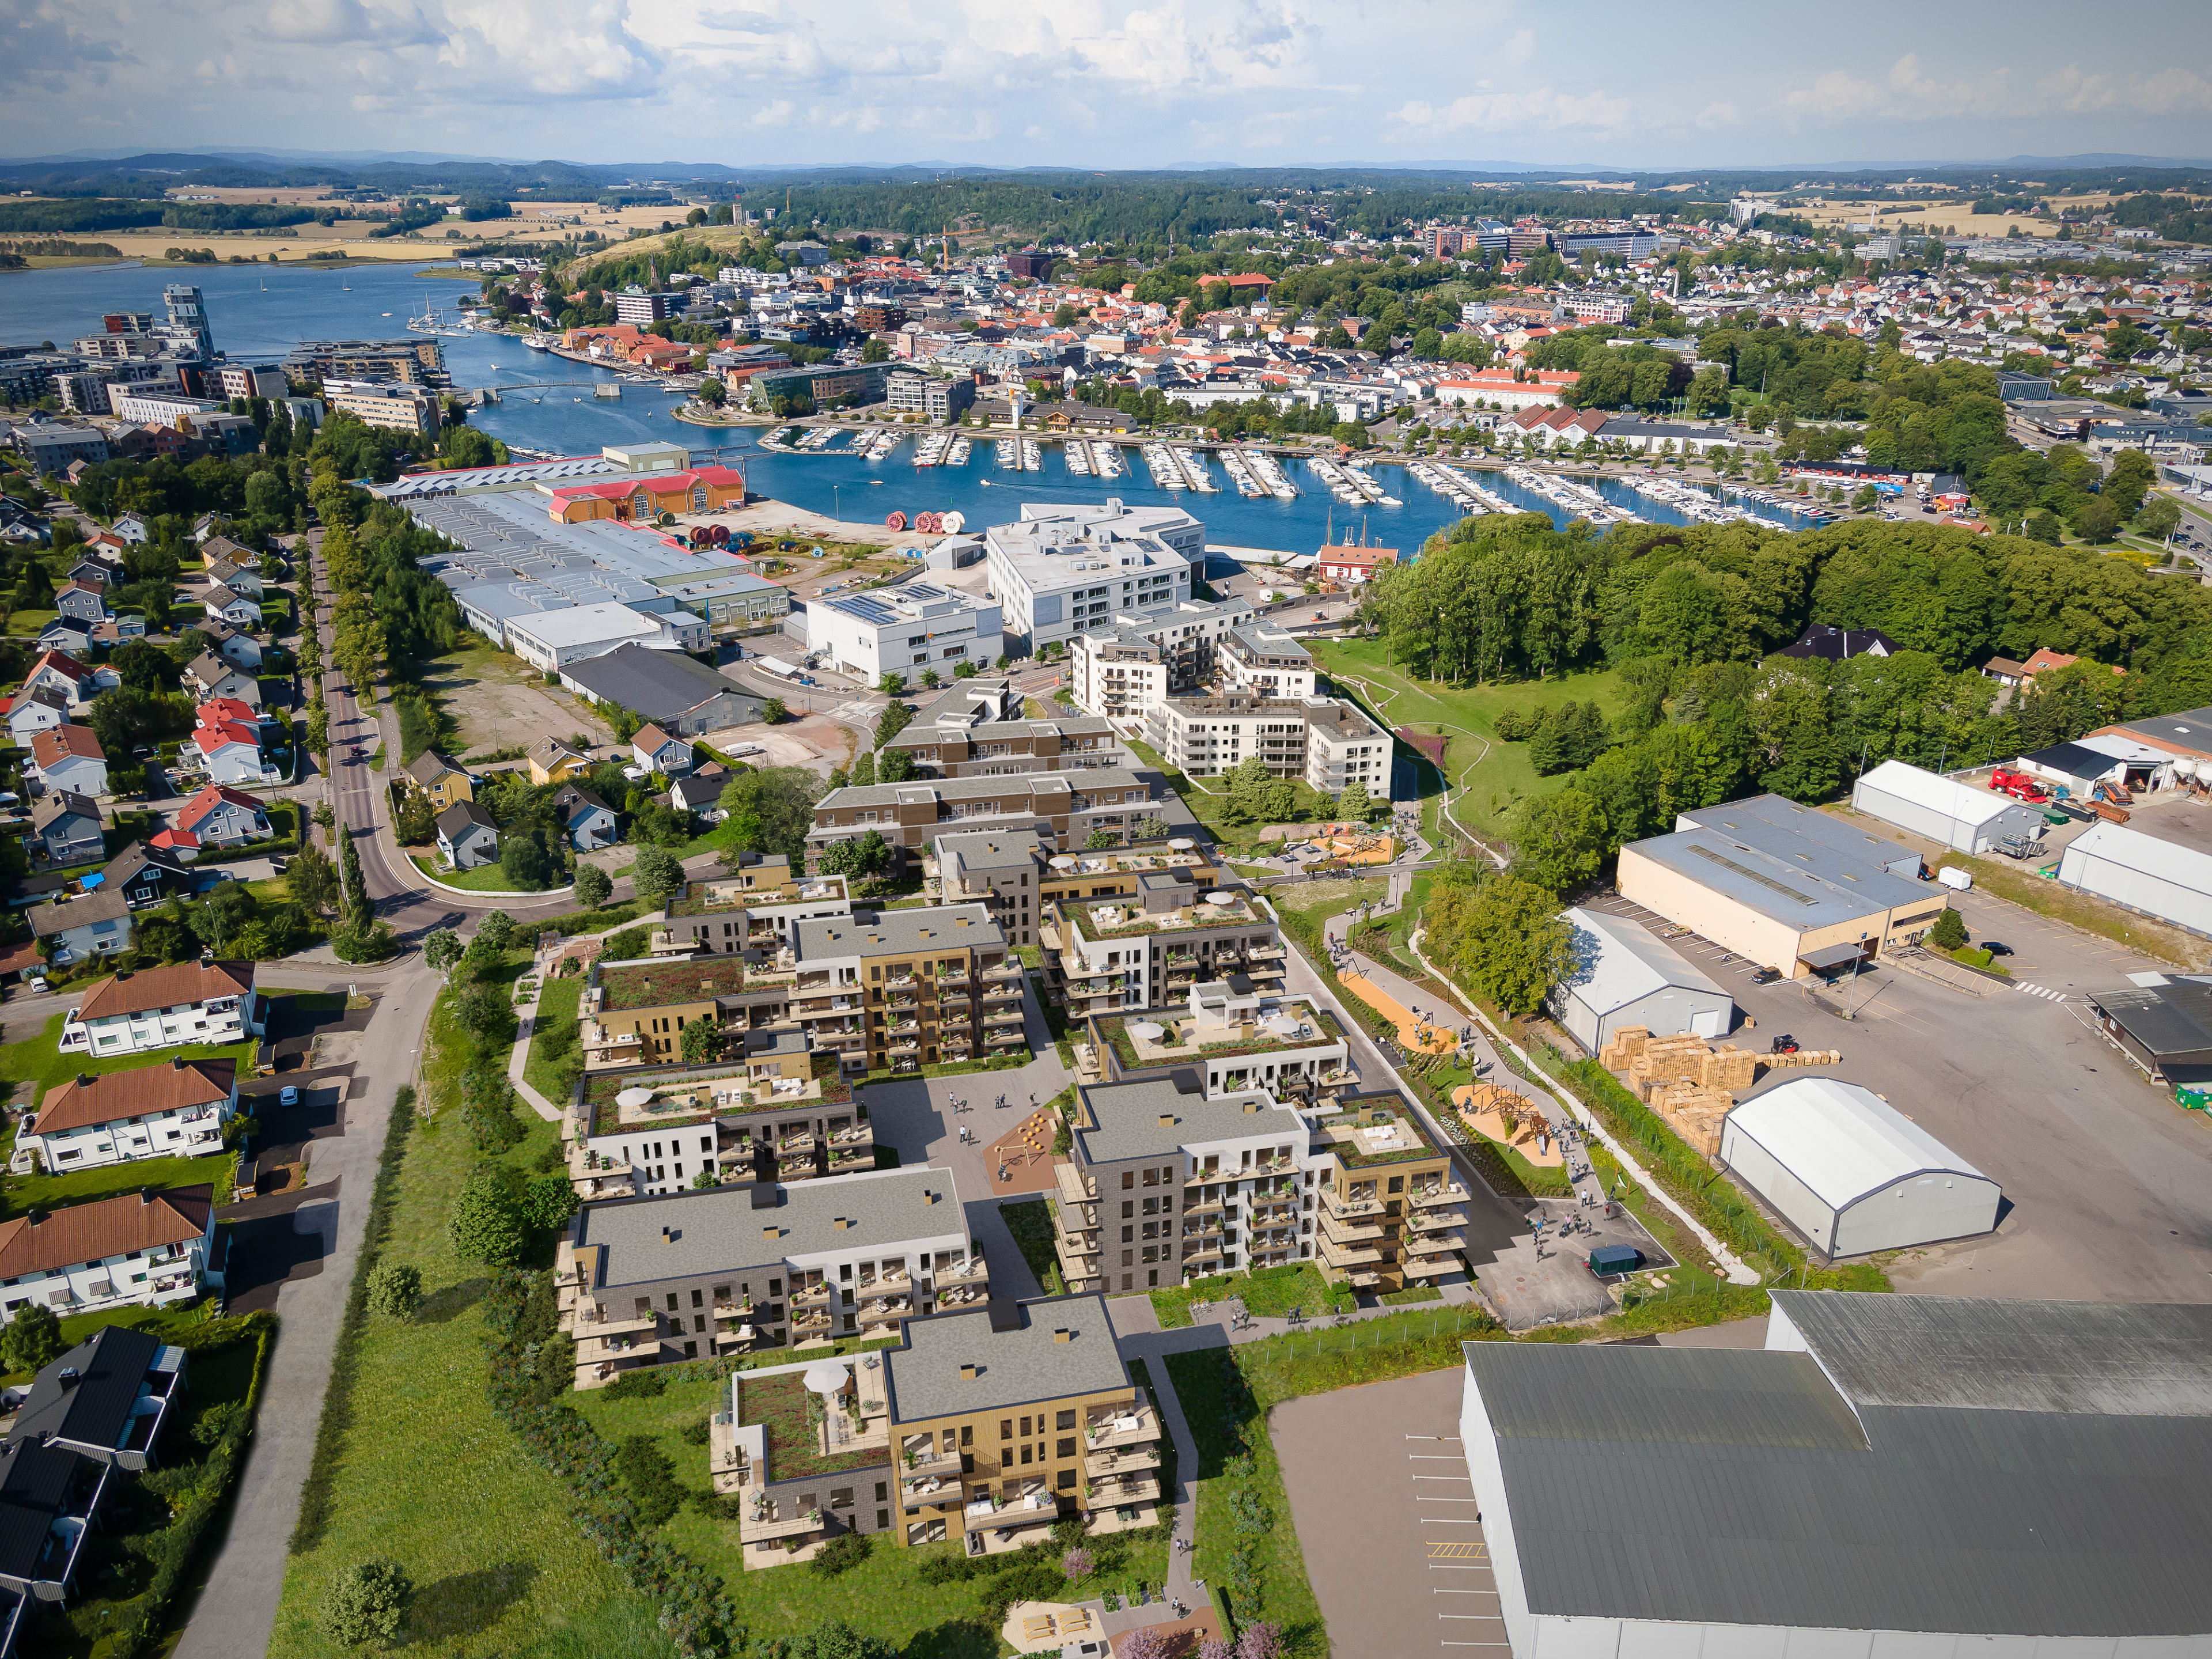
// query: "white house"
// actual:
[[211, 1003], [213, 676], [30, 712], [222, 817], [700, 796], [145, 1249], [57, 670], [95, 924], [176, 1110], [237, 577], [232, 749], [231, 607], [241, 650], [467, 836], [588, 821], [70, 757]]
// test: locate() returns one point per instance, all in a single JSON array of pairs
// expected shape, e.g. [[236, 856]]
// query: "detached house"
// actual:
[[30, 712], [84, 602], [239, 650], [67, 825], [211, 1003], [231, 607], [95, 924], [657, 751], [230, 745], [439, 780], [589, 821], [146, 876], [222, 817], [467, 836], [1353, 565], [212, 678], [69, 758], [146, 1249], [58, 671], [176, 1110], [555, 761], [106, 1400], [237, 577]]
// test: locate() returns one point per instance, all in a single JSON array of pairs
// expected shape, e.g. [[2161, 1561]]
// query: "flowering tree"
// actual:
[[1261, 1640], [1076, 1564], [1143, 1643]]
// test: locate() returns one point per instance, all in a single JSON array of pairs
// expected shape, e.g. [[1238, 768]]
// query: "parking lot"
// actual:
[[2108, 1182]]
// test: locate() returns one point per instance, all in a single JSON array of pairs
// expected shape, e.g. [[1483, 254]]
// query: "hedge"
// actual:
[[315, 1495], [136, 1626]]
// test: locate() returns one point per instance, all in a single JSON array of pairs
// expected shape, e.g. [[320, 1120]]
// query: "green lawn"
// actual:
[[428, 1477], [1494, 775], [39, 1060], [1031, 1223], [1270, 1293], [553, 1063], [484, 878], [30, 623], [24, 1193], [164, 1322]]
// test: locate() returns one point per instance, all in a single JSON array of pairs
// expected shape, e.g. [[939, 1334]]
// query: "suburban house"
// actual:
[[240, 650], [30, 712], [57, 670], [70, 757], [440, 781], [193, 1002], [214, 678], [95, 924], [67, 825], [84, 602], [146, 1248], [220, 816], [106, 1400], [132, 527], [1829, 643], [233, 607], [588, 821], [553, 761], [237, 577], [176, 1110], [68, 635], [1353, 565], [146, 876], [467, 836], [699, 795], [228, 740], [657, 751], [98, 573]]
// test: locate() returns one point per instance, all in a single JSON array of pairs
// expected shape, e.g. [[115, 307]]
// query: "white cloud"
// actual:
[[1716, 115], [2169, 92], [1519, 49], [1907, 92], [1534, 109]]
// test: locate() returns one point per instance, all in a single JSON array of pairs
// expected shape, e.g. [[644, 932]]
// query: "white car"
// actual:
[[634, 773]]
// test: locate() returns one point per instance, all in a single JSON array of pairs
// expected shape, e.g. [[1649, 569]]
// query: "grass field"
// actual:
[[163, 1322], [553, 1062], [1267, 1293], [40, 1061], [1493, 774], [484, 878], [1031, 1223]]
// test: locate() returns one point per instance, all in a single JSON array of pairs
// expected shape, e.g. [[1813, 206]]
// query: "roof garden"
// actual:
[[1105, 919], [1288, 1026], [737, 893], [1379, 1135], [792, 1420], [684, 1096], [627, 988]]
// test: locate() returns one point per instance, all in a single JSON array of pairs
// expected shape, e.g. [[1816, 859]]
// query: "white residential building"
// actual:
[[1060, 571], [905, 629], [1121, 670], [1326, 743], [203, 1002], [176, 1110], [147, 1249], [1261, 660]]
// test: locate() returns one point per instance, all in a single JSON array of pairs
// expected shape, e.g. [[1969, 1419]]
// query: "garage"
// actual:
[[1852, 1174], [1623, 975], [1969, 819]]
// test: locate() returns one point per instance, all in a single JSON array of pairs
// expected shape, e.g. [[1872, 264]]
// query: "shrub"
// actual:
[[367, 1603], [698, 1431], [487, 1222], [594, 886], [629, 944], [1076, 1566], [395, 1289], [645, 1383], [1949, 932], [1260, 1640], [841, 1553], [651, 1478], [32, 1339]]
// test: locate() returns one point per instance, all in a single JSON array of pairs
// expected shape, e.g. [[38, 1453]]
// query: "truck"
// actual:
[[2019, 786]]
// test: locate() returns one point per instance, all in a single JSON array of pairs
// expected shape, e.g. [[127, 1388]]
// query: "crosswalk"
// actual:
[[2043, 991]]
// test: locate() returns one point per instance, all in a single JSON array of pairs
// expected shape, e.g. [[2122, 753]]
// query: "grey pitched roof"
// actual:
[[659, 685], [429, 766], [102, 905], [1013, 1367], [64, 802], [457, 819], [695, 793], [93, 1408], [1129, 1114], [1925, 1468], [897, 932], [718, 1229]]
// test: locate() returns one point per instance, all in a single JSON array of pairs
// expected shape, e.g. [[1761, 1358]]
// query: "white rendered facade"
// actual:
[[905, 629], [1058, 572]]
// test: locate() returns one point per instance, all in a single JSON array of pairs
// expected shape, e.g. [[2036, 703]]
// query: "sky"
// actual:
[[1097, 83]]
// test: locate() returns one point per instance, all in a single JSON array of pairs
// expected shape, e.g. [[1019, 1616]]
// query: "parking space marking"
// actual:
[[1442, 1549]]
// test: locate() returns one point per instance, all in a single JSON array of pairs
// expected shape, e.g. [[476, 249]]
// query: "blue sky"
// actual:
[[1097, 83]]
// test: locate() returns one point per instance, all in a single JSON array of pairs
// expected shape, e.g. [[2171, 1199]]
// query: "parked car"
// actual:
[[288, 1095], [1997, 949], [1765, 976]]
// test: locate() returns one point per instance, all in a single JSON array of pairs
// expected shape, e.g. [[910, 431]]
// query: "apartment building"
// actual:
[[905, 629], [1061, 572], [1392, 1212], [200, 1002], [1258, 661], [907, 988], [752, 909], [176, 1110], [1121, 670], [930, 396], [1015, 876], [737, 1270], [1010, 748], [1326, 742], [1234, 1036], [772, 1111], [1142, 949], [995, 1423], [395, 406], [137, 1249], [1068, 807], [636, 1012]]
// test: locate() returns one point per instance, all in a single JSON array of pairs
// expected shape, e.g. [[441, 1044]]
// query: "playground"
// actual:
[[1511, 1120], [1020, 1160]]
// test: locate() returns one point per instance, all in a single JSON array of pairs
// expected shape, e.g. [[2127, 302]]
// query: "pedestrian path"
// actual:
[[2044, 991], [526, 1022]]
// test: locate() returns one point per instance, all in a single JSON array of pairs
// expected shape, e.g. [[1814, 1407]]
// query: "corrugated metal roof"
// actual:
[[2131, 849], [1618, 963], [1840, 1140], [1750, 819], [1937, 794]]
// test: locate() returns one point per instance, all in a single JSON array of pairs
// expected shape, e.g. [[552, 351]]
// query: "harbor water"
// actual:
[[259, 312]]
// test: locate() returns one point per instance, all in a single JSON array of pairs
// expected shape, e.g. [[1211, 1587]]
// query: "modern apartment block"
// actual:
[[1392, 1212], [751, 909], [1061, 572], [1122, 669], [1017, 875], [1076, 743], [1259, 660], [1325, 743], [993, 1423], [1236, 1039], [736, 1270], [907, 988], [917, 626], [1144, 949], [1068, 807]]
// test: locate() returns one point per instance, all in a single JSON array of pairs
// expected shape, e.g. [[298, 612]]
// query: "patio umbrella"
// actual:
[[633, 1097], [825, 1376]]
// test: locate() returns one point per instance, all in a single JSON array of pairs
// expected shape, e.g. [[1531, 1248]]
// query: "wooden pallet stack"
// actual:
[[1691, 1083]]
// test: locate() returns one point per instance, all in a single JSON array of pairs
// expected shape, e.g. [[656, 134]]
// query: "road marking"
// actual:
[[1448, 1549], [1430, 1457], [1448, 1520], [2039, 991]]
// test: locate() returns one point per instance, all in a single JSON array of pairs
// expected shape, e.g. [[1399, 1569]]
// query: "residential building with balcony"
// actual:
[[1236, 1039], [1068, 807], [1258, 661], [932, 397], [1146, 949], [994, 1424], [908, 989], [753, 908], [1166, 1184], [1016, 874], [1122, 667], [1324, 742], [176, 1110], [634, 1013], [740, 1270], [1392, 1213], [1061, 572], [137, 1249], [774, 1110], [1010, 748], [198, 1002]]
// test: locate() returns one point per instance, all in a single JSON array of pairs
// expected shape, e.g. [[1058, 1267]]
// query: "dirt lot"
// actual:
[[816, 743], [499, 703]]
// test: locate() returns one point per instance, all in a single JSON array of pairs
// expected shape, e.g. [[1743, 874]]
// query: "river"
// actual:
[[259, 312]]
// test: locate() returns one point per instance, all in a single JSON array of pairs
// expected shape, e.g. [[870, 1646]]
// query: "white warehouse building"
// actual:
[[1968, 819], [1623, 974], [1852, 1173], [2158, 878]]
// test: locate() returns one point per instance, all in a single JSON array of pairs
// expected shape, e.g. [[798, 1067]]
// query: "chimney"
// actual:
[[84, 1080], [69, 1378], [668, 1235], [145, 1195], [1167, 1119], [176, 1062], [968, 1373], [1062, 1333]]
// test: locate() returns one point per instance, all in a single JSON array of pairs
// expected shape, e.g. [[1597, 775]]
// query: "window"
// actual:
[[883, 1491], [1128, 1209], [1128, 1181], [1025, 1453], [1006, 1428], [1066, 1420], [698, 1297]]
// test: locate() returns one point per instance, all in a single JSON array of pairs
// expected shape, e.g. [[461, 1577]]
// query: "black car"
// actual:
[[1996, 949], [1765, 976]]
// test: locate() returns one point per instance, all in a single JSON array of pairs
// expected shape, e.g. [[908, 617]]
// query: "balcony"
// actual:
[[920, 1458], [1121, 1491], [1132, 1424], [1120, 1461], [1034, 1506], [811, 1296], [765, 1520], [1349, 1256], [1450, 1192], [1350, 1230]]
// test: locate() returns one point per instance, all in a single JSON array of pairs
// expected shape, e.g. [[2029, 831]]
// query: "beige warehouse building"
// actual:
[[1783, 886]]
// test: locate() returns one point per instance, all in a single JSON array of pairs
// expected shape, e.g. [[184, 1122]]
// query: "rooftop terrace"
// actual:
[[1289, 1025], [781, 1405], [1104, 919], [682, 1097], [1376, 1135], [631, 985]]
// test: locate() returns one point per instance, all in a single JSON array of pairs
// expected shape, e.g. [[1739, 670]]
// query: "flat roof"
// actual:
[[1811, 888], [896, 932], [1129, 1118], [584, 624], [2173, 1020], [718, 1229], [923, 1374], [1756, 819], [1090, 781], [2189, 733]]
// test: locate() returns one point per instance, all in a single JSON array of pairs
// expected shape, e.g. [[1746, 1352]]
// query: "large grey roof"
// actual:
[[718, 1229], [656, 684], [1777, 824], [1954, 1483], [990, 849], [1033, 783], [894, 932], [1806, 888], [1013, 1367], [1129, 1117]]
